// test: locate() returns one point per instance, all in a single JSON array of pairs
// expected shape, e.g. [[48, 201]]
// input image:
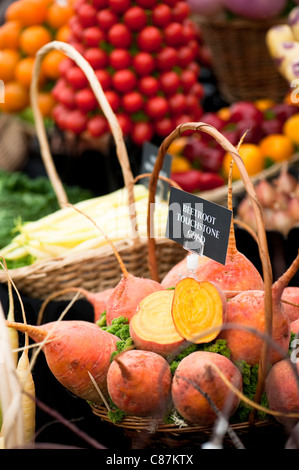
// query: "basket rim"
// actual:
[[41, 267], [158, 425]]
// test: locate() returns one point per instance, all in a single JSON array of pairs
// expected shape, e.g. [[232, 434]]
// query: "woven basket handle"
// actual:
[[261, 233], [95, 85]]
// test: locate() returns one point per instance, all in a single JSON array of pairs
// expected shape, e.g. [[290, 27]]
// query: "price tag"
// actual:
[[200, 226], [149, 156]]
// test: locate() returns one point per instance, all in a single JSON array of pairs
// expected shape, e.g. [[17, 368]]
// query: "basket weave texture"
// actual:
[[94, 270], [13, 144], [148, 432], [241, 61]]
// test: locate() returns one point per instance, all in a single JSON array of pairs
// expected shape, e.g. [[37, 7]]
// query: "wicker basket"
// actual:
[[13, 144], [95, 269], [241, 61], [147, 432]]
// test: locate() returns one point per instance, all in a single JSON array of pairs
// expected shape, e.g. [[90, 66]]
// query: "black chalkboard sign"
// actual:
[[149, 156], [199, 225]]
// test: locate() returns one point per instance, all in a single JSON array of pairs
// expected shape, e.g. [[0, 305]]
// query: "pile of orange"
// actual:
[[29, 25]]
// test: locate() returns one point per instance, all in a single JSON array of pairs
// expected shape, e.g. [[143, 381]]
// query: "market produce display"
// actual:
[[29, 24], [146, 63], [283, 45], [269, 136], [279, 198], [167, 354], [125, 368], [65, 230], [26, 199]]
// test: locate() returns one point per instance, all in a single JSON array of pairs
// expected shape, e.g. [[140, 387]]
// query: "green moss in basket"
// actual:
[[119, 327], [291, 349], [250, 380], [217, 346], [115, 414]]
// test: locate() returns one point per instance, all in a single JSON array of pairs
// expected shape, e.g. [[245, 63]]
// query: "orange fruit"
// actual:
[[50, 64], [252, 157], [13, 11], [291, 127], [27, 12], [16, 97], [177, 146], [10, 34], [63, 33], [46, 103], [33, 38], [277, 147], [179, 164], [24, 71], [8, 62], [264, 104], [58, 15], [224, 113]]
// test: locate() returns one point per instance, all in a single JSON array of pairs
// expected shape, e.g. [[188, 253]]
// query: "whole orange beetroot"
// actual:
[[282, 390], [291, 294], [139, 383], [247, 309], [127, 295], [73, 350], [196, 370]]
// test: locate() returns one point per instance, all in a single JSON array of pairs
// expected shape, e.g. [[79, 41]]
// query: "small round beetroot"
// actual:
[[139, 383], [127, 295], [295, 326], [196, 370], [282, 390], [291, 294]]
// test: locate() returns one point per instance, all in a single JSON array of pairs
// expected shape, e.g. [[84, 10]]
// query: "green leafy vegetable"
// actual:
[[24, 199]]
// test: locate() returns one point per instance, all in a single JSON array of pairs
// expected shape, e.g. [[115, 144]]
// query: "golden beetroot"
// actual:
[[295, 326], [127, 295], [139, 383], [282, 390], [180, 270], [290, 298], [152, 327], [247, 309], [73, 349], [196, 308], [196, 376], [98, 300], [238, 273]]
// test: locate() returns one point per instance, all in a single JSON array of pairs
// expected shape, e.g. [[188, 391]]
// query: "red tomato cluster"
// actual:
[[144, 54]]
